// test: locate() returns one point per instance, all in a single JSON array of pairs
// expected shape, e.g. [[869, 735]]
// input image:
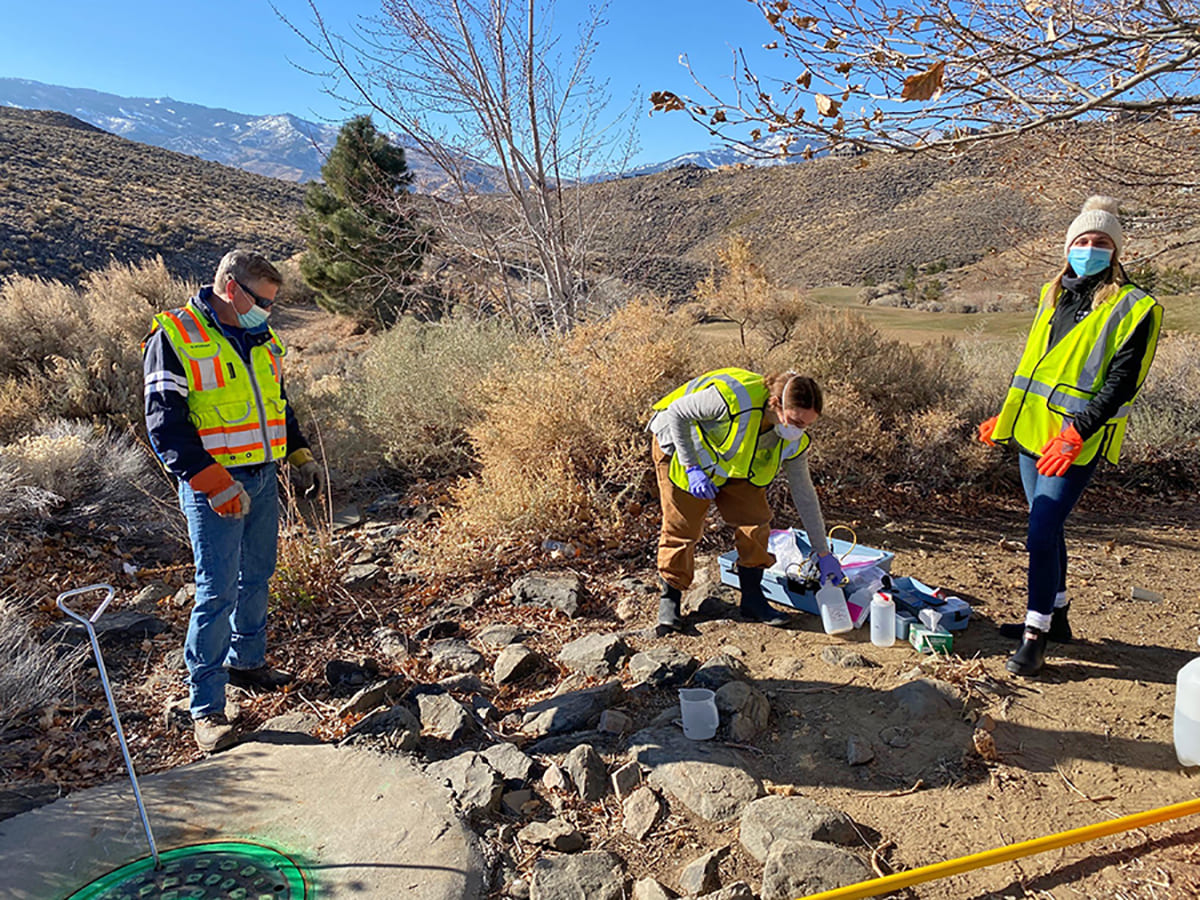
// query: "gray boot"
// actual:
[[668, 610], [754, 605]]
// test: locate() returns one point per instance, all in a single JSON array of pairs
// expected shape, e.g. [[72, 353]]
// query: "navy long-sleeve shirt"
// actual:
[[172, 433]]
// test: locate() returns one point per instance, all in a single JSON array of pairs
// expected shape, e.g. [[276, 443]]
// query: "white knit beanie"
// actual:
[[1099, 214]]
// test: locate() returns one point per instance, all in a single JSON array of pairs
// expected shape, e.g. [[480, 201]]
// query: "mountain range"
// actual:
[[280, 146]]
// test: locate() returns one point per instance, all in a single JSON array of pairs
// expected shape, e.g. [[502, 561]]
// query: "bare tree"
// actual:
[[943, 74], [479, 87]]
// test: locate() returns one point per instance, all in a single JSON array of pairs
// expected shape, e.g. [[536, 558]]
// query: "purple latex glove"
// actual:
[[830, 568], [699, 484]]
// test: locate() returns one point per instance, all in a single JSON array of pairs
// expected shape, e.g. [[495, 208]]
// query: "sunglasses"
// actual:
[[261, 301]]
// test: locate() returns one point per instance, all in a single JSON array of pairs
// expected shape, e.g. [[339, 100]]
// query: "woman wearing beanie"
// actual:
[[723, 437], [1087, 354]]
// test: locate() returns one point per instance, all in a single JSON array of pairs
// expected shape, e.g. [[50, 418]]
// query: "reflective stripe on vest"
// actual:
[[238, 409], [728, 448], [1054, 384]]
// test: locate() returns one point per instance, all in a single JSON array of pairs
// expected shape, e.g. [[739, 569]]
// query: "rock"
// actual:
[[500, 635], [147, 598], [484, 710], [594, 654], [518, 803], [374, 695], [592, 875], [711, 780], [514, 766], [443, 716], [773, 818], [799, 868], [720, 670], [463, 683], [516, 661], [560, 744], [898, 736], [343, 673], [661, 666], [111, 629], [858, 751], [641, 811], [455, 655], [391, 643], [747, 708], [649, 889], [555, 779], [846, 659], [615, 722], [739, 890], [562, 592], [185, 596], [476, 785], [557, 834], [925, 698], [437, 630], [587, 772], [361, 575], [398, 723], [626, 779], [701, 875], [295, 722], [572, 711]]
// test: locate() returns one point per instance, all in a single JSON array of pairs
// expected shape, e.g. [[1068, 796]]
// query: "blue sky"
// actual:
[[236, 54]]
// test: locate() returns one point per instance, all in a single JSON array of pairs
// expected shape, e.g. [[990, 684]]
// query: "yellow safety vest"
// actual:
[[728, 447], [238, 410], [1052, 385]]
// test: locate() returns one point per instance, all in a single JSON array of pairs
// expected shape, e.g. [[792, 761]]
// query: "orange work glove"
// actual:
[[986, 428], [225, 494], [1060, 452]]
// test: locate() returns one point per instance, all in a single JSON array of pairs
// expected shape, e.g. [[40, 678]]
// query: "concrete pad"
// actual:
[[359, 824]]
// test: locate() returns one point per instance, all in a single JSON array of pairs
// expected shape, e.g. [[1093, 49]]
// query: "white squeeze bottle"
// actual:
[[835, 616], [1187, 714], [883, 620]]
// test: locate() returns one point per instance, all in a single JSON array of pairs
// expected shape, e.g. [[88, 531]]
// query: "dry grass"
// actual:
[[32, 673], [561, 444]]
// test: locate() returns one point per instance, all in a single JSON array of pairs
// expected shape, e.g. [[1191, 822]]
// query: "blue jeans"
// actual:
[[234, 559], [1051, 500]]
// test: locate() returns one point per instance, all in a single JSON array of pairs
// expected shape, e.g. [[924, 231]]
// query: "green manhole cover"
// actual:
[[230, 870]]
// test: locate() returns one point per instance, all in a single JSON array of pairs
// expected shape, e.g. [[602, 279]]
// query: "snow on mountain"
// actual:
[[281, 146]]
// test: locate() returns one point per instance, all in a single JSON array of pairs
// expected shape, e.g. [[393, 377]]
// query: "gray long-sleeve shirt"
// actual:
[[673, 429]]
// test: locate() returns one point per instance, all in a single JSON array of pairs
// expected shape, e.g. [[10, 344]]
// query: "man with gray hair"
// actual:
[[219, 421]]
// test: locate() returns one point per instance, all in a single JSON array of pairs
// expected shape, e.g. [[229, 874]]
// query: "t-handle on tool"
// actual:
[[112, 704]]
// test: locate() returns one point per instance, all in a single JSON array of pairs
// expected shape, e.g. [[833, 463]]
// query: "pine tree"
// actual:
[[364, 245]]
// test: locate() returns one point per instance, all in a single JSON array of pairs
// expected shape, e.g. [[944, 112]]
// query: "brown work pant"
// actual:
[[741, 504]]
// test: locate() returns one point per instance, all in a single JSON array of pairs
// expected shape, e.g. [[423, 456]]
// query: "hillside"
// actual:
[[72, 197]]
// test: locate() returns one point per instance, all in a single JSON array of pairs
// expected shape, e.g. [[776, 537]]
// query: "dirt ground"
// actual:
[[1088, 740]]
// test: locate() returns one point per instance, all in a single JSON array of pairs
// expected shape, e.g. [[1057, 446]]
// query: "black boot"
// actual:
[[1030, 656], [1060, 628], [668, 610], [754, 605]]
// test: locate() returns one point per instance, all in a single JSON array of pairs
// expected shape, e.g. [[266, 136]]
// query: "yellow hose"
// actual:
[[889, 883]]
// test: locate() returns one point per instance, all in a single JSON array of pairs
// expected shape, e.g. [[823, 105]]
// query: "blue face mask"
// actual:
[[256, 317], [1089, 260]]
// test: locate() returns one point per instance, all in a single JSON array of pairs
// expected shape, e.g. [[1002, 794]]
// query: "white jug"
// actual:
[[883, 620], [1187, 714], [835, 616]]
